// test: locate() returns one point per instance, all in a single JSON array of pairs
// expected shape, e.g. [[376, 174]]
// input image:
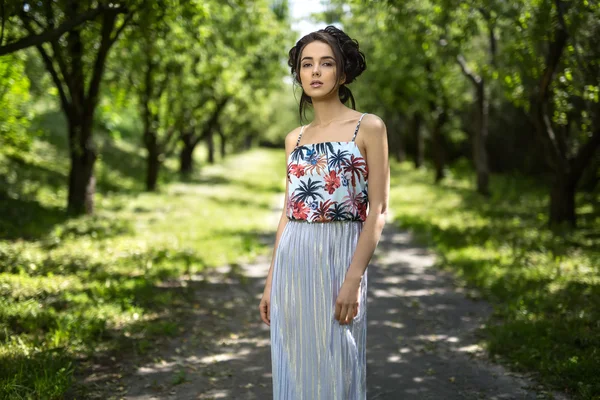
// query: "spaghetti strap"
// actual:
[[358, 126], [300, 135]]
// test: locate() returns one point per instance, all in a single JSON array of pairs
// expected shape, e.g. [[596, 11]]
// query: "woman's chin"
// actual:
[[320, 93]]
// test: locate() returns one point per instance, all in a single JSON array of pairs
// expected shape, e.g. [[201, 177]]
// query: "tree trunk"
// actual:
[[210, 142], [152, 171], [223, 143], [562, 201], [152, 160], [78, 93], [248, 139], [186, 161], [186, 156], [437, 139], [480, 155], [419, 140], [82, 183]]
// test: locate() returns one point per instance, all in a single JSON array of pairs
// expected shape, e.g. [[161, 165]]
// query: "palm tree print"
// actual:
[[338, 213], [298, 153], [356, 166], [336, 160], [307, 190], [323, 147], [320, 214], [353, 199]]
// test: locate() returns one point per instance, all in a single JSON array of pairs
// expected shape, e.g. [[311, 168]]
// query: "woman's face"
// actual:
[[318, 70]]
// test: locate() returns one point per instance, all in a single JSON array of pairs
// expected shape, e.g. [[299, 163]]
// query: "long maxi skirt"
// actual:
[[313, 356]]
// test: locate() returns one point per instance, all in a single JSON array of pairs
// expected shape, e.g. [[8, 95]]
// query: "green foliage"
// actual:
[[14, 103], [544, 287]]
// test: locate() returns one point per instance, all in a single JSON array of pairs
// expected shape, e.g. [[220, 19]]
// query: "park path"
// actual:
[[422, 338]]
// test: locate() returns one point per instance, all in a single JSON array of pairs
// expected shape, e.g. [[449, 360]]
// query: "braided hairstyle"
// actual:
[[350, 62]]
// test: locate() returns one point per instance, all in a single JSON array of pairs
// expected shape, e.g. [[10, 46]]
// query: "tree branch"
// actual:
[[3, 16], [35, 39], [553, 57], [126, 22], [476, 79], [108, 24], [57, 82], [210, 124], [554, 54]]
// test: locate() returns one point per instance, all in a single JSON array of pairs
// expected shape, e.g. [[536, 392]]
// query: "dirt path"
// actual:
[[422, 338]]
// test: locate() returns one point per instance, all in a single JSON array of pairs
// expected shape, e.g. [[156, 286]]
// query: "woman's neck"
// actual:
[[328, 110]]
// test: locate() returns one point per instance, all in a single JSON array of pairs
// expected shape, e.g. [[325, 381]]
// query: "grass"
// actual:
[[545, 287], [73, 288]]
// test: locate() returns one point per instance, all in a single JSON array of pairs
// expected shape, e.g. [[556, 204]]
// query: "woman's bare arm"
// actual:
[[374, 136]]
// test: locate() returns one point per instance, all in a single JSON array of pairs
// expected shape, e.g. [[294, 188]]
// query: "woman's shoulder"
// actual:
[[373, 126], [291, 138], [372, 122]]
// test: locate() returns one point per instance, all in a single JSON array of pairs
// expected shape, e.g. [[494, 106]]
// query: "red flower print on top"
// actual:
[[300, 210], [332, 182], [297, 170]]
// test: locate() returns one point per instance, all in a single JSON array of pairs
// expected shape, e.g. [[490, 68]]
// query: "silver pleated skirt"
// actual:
[[313, 356]]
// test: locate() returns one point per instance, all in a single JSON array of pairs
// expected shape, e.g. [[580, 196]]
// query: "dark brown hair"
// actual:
[[350, 61]]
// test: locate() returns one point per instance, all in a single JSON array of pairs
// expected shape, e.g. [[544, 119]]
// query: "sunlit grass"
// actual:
[[73, 287], [545, 286]]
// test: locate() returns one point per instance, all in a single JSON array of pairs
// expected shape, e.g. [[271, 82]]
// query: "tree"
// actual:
[[75, 59], [554, 74]]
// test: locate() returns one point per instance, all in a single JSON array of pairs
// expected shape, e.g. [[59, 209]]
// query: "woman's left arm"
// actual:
[[374, 134]]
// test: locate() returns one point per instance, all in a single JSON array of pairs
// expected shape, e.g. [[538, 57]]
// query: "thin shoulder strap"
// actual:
[[300, 135], [358, 126]]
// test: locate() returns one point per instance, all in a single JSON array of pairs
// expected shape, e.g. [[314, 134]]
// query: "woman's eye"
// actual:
[[327, 64], [306, 65]]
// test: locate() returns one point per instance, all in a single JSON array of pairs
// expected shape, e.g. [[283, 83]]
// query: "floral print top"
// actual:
[[327, 181]]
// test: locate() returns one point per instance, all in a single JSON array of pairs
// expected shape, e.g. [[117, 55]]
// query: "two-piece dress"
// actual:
[[313, 356]]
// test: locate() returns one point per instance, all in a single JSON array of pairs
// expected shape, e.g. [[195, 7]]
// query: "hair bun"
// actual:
[[354, 59]]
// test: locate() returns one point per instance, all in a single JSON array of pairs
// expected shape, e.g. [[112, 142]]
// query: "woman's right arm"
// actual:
[[265, 302]]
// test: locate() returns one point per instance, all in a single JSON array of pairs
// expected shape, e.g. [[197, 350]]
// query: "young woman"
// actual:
[[335, 205]]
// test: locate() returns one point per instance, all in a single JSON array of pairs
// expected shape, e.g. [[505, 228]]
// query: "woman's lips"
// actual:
[[316, 84]]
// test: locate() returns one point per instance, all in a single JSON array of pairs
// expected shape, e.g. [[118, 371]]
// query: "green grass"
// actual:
[[71, 288], [545, 287]]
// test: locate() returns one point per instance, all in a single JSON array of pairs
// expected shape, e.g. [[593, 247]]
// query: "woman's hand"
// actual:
[[346, 304], [265, 306]]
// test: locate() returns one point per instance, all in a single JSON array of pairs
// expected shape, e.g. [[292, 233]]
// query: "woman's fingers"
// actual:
[[350, 313], [345, 313], [265, 312]]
